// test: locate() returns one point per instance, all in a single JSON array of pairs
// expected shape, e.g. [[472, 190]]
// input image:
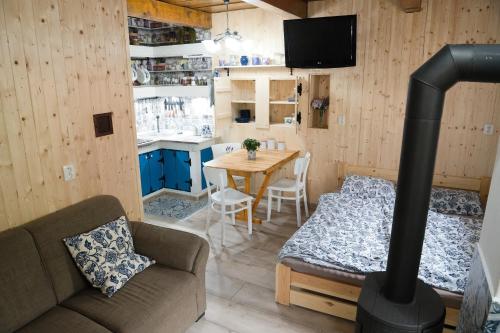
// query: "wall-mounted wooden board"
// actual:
[[61, 62]]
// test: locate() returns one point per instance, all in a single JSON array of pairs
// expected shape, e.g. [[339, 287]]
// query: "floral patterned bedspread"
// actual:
[[350, 233]]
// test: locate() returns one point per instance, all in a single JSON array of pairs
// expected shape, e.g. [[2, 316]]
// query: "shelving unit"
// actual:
[[228, 68], [319, 87], [182, 71], [181, 91], [181, 50], [282, 100], [243, 97]]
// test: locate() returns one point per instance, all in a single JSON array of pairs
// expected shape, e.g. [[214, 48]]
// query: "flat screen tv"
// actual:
[[324, 42]]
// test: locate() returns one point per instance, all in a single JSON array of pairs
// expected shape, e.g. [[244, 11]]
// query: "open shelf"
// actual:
[[319, 88], [243, 97], [180, 50], [160, 91], [240, 101], [282, 100], [249, 66]]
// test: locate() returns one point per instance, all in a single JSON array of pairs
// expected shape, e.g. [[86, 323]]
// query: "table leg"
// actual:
[[261, 192], [230, 180], [248, 184]]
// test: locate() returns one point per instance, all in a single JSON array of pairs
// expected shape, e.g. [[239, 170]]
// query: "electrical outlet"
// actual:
[[488, 129], [341, 120], [69, 172]]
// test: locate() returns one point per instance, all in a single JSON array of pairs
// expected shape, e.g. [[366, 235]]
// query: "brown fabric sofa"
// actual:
[[42, 290]]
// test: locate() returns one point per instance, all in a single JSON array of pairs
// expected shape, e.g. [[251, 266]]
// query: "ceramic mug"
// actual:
[[271, 144], [263, 145], [281, 146]]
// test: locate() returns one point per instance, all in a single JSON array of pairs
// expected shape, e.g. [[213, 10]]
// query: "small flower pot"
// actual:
[[252, 154]]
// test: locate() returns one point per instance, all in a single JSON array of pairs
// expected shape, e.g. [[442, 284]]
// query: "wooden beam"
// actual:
[[411, 6], [286, 8], [167, 13]]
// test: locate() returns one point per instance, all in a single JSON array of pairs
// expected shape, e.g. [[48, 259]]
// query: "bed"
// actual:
[[317, 270]]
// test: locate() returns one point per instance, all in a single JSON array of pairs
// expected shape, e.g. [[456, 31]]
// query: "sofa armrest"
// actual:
[[173, 248]]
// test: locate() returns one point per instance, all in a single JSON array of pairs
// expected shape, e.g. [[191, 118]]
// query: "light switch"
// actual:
[[341, 120], [488, 129], [69, 172]]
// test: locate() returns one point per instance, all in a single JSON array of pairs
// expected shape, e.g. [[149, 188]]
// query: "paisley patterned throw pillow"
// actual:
[[455, 202], [366, 187], [106, 256]]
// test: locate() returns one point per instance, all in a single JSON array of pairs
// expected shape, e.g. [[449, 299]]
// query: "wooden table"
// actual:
[[238, 164]]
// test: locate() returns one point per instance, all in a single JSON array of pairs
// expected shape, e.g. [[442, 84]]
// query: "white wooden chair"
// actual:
[[297, 186], [221, 149], [225, 200]]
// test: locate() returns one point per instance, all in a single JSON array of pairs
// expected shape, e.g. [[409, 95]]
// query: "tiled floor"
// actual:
[[240, 279]]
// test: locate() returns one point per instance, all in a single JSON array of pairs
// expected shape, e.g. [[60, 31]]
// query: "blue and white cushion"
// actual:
[[366, 187], [455, 202], [106, 256]]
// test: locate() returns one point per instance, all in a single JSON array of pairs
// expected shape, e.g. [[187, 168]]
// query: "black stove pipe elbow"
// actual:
[[426, 92]]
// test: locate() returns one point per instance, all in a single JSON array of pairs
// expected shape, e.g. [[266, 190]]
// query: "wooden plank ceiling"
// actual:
[[210, 6]]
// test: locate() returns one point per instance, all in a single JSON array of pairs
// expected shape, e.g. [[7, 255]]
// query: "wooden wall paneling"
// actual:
[[62, 131], [11, 164], [33, 183], [372, 96], [262, 102], [61, 62], [37, 110], [44, 18], [84, 139]]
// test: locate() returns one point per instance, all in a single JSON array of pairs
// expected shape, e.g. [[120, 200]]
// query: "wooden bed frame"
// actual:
[[339, 298]]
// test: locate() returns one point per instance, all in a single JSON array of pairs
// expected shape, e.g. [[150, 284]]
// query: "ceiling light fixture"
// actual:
[[231, 40]]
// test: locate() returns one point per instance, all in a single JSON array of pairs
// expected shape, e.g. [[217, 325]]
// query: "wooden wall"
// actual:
[[60, 63], [372, 96]]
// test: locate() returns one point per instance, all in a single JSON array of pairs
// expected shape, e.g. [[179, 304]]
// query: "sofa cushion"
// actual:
[[25, 289], [49, 231], [106, 257], [60, 319], [114, 235], [159, 299]]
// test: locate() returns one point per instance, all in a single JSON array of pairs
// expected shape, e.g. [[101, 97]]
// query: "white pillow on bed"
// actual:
[[455, 202], [368, 187]]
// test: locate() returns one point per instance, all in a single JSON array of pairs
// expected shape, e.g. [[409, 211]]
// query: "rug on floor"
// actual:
[[173, 206]]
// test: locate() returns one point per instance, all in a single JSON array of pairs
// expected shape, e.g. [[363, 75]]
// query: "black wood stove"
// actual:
[[396, 300]]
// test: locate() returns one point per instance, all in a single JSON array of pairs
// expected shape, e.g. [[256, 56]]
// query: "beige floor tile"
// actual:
[[240, 278]]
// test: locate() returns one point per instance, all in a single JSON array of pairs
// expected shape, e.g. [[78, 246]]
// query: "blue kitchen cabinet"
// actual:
[[183, 171], [169, 168], [206, 155], [156, 170], [151, 168], [177, 170], [144, 169]]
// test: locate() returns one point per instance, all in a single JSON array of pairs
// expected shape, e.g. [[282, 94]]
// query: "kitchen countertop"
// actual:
[[186, 141]]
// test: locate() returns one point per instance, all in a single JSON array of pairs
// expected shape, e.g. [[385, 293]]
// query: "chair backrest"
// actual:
[[300, 169], [224, 148], [217, 177]]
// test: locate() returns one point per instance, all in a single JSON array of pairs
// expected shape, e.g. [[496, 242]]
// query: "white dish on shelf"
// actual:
[[133, 74], [143, 76]]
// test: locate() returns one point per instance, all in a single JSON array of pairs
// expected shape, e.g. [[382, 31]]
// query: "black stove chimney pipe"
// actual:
[[399, 290], [424, 108]]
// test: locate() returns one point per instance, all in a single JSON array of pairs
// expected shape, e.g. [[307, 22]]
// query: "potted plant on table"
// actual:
[[251, 145]]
